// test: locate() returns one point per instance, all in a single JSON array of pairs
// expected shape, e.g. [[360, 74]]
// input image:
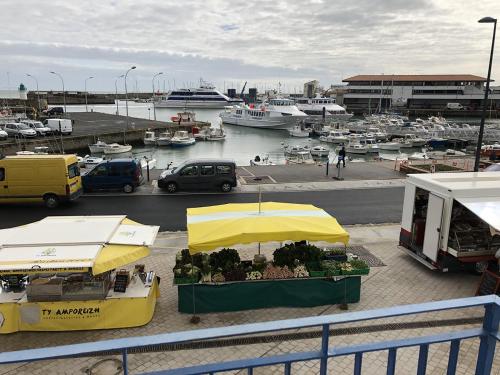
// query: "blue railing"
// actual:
[[488, 335]]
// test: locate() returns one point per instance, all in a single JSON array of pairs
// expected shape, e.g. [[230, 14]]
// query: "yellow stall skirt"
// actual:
[[78, 315]]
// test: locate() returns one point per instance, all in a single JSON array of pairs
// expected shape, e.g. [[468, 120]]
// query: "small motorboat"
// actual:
[[149, 138], [184, 118], [389, 146], [293, 150], [181, 138], [258, 161], [301, 157], [89, 161], [216, 134], [356, 148], [164, 139], [299, 132], [98, 147], [116, 148], [320, 151], [39, 150], [491, 150]]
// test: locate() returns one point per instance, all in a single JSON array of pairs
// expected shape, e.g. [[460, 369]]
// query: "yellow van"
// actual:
[[48, 178]]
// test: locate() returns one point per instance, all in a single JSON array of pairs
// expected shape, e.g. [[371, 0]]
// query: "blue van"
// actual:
[[115, 174]]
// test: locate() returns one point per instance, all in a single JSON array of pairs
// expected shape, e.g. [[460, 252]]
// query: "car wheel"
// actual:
[[127, 188], [51, 201], [226, 187], [171, 187]]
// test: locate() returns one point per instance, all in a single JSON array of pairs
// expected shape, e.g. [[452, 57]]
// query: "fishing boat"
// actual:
[[274, 114], [116, 148], [98, 147], [184, 118], [164, 139], [149, 138], [181, 138], [320, 151]]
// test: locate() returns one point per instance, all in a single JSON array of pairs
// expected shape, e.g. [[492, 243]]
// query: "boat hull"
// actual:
[[181, 144], [278, 123], [195, 104], [389, 147]]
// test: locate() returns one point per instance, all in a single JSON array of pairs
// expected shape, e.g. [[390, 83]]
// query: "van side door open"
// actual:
[[432, 237]]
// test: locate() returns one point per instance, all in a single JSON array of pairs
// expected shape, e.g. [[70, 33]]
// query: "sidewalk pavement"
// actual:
[[402, 281]]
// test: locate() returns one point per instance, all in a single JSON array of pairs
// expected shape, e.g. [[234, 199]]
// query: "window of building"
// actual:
[[2, 174]]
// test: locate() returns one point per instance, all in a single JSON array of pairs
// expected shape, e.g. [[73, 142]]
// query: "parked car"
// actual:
[[59, 125], [54, 111], [3, 135], [200, 174], [38, 127], [115, 174], [17, 129]]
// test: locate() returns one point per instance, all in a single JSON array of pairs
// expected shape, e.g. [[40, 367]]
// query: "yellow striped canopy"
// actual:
[[225, 225]]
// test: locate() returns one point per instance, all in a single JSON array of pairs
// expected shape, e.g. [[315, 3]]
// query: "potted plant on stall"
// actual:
[[360, 267]]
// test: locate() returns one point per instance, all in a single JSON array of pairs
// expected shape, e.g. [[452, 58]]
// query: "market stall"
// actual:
[[299, 275], [64, 273]]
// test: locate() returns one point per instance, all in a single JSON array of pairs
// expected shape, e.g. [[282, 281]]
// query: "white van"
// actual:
[[62, 126], [454, 106]]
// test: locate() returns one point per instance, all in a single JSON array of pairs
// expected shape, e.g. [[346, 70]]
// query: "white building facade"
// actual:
[[373, 93]]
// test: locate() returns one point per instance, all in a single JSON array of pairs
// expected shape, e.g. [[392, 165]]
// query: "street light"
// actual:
[[37, 93], [486, 92], [64, 92], [126, 94], [86, 104], [154, 107], [116, 93]]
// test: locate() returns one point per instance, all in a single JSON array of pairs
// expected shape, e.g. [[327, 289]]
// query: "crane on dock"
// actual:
[[243, 90]]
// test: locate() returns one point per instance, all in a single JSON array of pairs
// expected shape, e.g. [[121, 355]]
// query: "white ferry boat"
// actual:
[[203, 97], [274, 114], [314, 107]]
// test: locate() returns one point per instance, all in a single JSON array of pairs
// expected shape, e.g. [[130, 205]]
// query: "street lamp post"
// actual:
[[154, 106], [86, 104], [116, 93], [37, 93], [126, 94], [486, 92], [64, 92]]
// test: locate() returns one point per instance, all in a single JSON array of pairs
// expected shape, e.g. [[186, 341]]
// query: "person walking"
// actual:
[[341, 157]]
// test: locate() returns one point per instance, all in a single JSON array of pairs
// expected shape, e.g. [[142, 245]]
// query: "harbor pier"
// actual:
[[90, 126]]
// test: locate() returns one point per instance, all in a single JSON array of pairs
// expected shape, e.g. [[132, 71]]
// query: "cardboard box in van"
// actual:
[[48, 178]]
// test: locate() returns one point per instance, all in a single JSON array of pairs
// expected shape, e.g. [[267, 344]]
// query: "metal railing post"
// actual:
[[323, 368], [488, 341], [124, 362]]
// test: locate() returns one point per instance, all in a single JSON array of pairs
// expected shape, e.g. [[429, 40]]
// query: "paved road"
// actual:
[[358, 206]]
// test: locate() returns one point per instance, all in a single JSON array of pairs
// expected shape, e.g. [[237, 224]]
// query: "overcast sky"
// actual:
[[233, 41]]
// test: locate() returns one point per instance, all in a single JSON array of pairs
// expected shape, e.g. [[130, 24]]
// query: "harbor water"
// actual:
[[241, 144]]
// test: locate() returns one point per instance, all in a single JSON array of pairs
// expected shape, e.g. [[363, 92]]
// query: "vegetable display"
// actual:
[[295, 260]]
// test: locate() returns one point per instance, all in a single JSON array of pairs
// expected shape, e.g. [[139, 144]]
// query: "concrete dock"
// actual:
[[87, 128]]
